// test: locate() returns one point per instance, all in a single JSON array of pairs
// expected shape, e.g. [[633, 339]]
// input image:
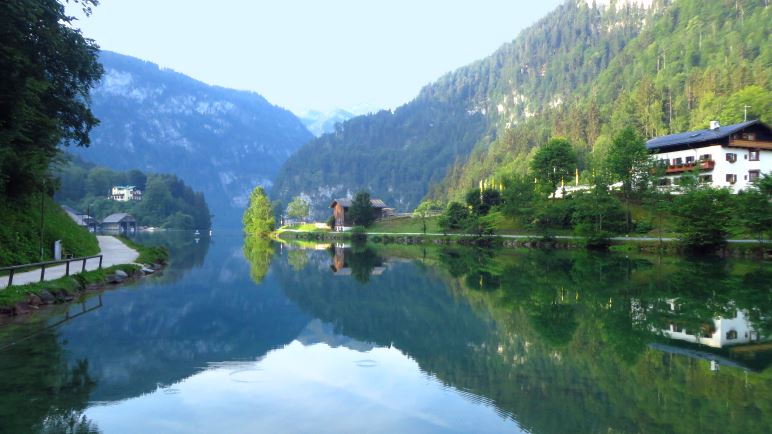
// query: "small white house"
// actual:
[[723, 332], [125, 193], [731, 156]]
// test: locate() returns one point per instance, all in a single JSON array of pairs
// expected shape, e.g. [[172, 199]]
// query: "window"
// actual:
[[689, 160], [731, 178], [664, 182], [749, 136], [706, 157], [731, 157], [706, 179], [753, 155], [678, 161], [731, 335], [664, 162], [753, 175]]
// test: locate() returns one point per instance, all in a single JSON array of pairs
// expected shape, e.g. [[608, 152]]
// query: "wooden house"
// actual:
[[340, 210]]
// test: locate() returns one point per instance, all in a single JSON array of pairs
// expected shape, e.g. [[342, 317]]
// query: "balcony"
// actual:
[[703, 165]]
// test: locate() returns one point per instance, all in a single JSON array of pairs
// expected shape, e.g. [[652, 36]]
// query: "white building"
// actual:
[[719, 333], [126, 193], [730, 156]]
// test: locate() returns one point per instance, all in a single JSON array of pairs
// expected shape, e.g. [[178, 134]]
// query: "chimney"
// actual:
[[714, 125]]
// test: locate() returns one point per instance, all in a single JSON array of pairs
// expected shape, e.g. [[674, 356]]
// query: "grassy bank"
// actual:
[[20, 232], [147, 254], [72, 285]]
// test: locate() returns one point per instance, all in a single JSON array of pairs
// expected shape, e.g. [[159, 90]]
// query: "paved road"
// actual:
[[114, 253], [560, 237]]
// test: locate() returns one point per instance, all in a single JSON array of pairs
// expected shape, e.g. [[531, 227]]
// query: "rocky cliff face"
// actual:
[[222, 142]]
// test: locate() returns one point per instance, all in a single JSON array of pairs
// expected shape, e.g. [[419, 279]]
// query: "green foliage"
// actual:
[[48, 70], [167, 201], [553, 163], [454, 218], [518, 199], [425, 209], [481, 202], [259, 252], [298, 208], [258, 217], [702, 217], [331, 222], [597, 216], [361, 212], [627, 160], [753, 208], [20, 232]]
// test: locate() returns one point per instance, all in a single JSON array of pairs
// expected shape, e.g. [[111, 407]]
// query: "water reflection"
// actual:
[[250, 336]]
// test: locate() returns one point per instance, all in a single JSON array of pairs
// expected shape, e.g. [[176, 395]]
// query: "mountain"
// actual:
[[584, 71], [222, 142], [322, 122], [399, 155]]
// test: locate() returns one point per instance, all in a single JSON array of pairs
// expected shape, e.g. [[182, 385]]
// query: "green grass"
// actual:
[[147, 254], [20, 232], [15, 294], [405, 224]]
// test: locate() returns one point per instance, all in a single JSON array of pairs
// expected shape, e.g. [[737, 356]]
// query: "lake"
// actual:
[[251, 336]]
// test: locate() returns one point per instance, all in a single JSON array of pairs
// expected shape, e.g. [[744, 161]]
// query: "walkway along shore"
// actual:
[[113, 252]]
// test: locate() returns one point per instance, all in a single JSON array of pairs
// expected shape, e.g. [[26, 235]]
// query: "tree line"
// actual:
[[622, 177], [166, 200]]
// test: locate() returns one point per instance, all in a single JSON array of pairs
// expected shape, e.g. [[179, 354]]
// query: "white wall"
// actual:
[[723, 167]]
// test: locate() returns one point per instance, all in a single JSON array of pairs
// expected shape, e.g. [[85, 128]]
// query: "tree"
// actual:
[[553, 162], [627, 161], [518, 199], [597, 216], [482, 202], [258, 218], [48, 70], [455, 217], [361, 210], [425, 209], [702, 217], [136, 178], [298, 208], [754, 208]]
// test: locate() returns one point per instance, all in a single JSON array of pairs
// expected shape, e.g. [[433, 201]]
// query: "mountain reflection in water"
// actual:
[[245, 336]]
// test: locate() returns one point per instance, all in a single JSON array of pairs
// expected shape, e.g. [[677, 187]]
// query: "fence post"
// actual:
[[42, 272], [10, 277], [100, 262], [84, 266], [67, 268]]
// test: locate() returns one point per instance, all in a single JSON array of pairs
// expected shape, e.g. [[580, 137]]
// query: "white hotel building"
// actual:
[[730, 156]]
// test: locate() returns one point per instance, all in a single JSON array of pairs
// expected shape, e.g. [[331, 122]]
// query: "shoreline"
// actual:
[[665, 245], [23, 300]]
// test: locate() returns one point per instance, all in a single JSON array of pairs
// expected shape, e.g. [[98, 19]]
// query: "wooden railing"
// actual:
[[13, 269]]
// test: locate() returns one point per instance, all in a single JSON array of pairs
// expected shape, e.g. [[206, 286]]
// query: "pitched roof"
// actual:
[[694, 137], [346, 203], [118, 217]]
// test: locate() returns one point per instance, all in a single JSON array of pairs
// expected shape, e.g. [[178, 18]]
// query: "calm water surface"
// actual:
[[243, 337]]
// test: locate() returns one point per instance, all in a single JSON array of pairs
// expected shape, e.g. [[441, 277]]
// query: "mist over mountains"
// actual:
[[222, 142]]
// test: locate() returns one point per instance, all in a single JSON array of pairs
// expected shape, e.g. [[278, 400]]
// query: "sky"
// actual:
[[358, 55]]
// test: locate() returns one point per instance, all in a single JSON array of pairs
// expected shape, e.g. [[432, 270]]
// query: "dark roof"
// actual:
[[118, 217], [346, 203], [694, 137]]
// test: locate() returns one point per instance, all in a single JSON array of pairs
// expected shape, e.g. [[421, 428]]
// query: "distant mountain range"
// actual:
[[323, 122], [222, 142]]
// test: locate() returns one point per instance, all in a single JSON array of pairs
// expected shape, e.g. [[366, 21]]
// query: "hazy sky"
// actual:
[[305, 54]]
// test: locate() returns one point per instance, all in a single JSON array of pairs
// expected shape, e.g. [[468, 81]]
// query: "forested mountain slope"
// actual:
[[693, 62], [399, 155], [582, 72], [220, 141]]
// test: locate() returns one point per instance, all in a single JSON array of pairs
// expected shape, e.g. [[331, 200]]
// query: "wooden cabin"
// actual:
[[340, 210]]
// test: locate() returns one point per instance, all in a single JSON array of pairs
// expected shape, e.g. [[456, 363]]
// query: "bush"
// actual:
[[359, 233], [702, 218], [331, 222]]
